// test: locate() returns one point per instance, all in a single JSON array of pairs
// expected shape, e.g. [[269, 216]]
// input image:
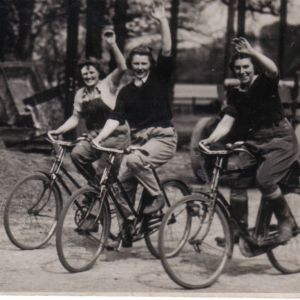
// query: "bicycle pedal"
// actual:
[[115, 246]]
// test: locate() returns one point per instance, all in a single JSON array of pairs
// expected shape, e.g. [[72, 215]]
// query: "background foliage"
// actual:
[[36, 30]]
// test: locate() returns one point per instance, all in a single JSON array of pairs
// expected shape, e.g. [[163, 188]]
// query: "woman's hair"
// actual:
[[140, 50], [237, 56], [91, 61]]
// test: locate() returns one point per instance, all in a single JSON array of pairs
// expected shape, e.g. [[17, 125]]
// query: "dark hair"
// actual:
[[91, 61], [237, 56], [140, 50]]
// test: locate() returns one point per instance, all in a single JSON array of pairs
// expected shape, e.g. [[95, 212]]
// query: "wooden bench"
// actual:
[[194, 98], [202, 98]]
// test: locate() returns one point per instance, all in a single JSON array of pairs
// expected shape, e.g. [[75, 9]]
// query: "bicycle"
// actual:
[[78, 248], [33, 207], [202, 258]]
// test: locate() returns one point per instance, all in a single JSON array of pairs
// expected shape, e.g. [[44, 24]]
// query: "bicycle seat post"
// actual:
[[216, 174]]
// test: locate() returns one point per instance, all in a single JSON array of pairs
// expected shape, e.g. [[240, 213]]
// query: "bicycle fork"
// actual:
[[210, 208]]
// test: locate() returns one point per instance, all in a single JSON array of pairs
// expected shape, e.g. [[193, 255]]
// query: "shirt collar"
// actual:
[[97, 90], [144, 79]]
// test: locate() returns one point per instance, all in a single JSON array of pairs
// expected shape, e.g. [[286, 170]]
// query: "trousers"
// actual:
[[83, 154], [135, 168], [275, 149]]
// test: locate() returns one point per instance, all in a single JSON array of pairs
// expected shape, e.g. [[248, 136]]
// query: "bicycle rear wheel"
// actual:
[[286, 258], [175, 190], [31, 212], [82, 230], [199, 261]]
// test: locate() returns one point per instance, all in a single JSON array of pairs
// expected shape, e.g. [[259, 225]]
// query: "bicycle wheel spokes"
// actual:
[[31, 212], [286, 257], [192, 258], [175, 190], [82, 230]]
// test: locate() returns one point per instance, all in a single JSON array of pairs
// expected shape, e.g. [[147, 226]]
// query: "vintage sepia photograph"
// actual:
[[150, 148]]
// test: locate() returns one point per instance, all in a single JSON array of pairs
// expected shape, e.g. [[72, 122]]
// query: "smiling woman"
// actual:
[[255, 110], [95, 102]]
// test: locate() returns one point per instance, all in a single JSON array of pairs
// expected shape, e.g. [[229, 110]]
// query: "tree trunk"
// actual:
[[4, 25], [25, 11], [94, 23], [119, 22], [241, 17], [229, 35], [282, 34], [71, 54], [173, 28]]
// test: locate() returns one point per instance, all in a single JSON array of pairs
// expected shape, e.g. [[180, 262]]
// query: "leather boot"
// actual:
[[284, 218]]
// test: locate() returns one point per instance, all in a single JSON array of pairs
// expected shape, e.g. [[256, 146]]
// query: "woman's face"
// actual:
[[90, 75], [140, 65], [244, 70]]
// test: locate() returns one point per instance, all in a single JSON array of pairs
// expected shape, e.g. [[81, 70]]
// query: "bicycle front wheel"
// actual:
[[31, 212], [175, 190], [82, 230], [199, 260], [286, 258]]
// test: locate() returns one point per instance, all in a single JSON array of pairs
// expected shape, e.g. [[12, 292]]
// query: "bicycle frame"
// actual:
[[263, 236], [57, 167], [108, 180]]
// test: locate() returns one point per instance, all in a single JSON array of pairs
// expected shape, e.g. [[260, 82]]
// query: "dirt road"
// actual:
[[129, 272]]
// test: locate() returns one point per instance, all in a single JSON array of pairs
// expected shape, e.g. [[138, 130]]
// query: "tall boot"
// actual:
[[284, 218]]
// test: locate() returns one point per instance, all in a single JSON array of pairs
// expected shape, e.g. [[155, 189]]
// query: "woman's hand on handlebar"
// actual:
[[205, 142], [97, 141], [54, 132]]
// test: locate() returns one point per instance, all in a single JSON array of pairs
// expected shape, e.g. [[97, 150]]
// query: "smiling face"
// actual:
[[243, 69], [140, 65], [90, 75]]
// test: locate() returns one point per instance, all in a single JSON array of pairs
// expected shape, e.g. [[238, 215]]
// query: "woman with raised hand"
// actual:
[[256, 107], [95, 102], [145, 104]]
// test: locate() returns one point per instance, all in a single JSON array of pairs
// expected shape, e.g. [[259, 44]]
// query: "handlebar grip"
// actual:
[[204, 147], [50, 136]]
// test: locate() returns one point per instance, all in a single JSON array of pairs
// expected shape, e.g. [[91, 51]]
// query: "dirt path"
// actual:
[[130, 272]]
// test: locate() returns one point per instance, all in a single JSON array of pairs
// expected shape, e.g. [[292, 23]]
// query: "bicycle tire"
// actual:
[[200, 260], [31, 212], [286, 258], [175, 190], [78, 247]]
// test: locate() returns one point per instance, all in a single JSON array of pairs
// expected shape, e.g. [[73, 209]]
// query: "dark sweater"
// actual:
[[148, 105]]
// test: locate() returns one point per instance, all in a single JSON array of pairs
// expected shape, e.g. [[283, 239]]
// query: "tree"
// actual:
[[71, 54], [24, 44], [95, 13]]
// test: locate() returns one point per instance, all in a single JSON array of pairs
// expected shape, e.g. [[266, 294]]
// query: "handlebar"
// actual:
[[124, 151], [128, 150], [52, 140], [230, 148]]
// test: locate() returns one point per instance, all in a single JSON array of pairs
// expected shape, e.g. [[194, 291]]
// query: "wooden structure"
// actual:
[[27, 108]]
